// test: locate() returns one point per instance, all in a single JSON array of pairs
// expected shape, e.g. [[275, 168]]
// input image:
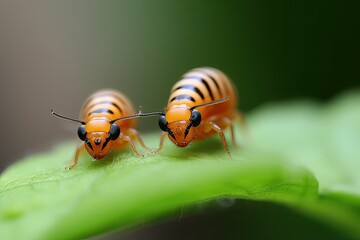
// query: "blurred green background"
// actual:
[[53, 54]]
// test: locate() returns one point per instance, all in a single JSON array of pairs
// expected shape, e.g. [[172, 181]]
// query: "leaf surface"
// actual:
[[302, 154]]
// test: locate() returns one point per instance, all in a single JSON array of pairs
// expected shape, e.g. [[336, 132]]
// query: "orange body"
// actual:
[[200, 86], [98, 110], [108, 122]]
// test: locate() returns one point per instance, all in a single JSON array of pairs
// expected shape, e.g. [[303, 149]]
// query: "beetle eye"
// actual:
[[195, 118], [114, 131], [82, 132], [163, 123]]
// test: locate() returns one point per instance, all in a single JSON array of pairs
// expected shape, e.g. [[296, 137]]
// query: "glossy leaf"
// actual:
[[302, 154]]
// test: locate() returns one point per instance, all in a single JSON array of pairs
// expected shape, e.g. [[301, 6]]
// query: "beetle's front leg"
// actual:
[[79, 149]]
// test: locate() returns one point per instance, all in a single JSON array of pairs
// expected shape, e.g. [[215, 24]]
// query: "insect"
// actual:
[[108, 124], [202, 103]]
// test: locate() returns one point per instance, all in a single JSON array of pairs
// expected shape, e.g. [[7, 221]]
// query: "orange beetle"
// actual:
[[202, 103], [108, 124]]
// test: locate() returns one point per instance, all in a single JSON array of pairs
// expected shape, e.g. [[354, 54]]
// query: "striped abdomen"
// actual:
[[109, 104], [202, 85]]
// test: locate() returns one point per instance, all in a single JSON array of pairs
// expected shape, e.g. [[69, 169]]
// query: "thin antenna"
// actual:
[[224, 99], [138, 115], [67, 118]]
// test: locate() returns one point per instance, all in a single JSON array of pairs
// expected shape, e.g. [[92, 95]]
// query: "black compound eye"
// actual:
[[195, 118], [82, 133], [163, 123], [114, 131]]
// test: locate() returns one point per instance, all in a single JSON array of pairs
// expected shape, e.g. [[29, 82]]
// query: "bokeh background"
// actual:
[[53, 54]]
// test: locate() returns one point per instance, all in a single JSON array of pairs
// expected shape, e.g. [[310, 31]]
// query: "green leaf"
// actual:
[[303, 155]]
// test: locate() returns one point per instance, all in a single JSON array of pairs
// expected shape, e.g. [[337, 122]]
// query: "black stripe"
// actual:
[[204, 82], [171, 134], [104, 102], [101, 110], [213, 79], [191, 87], [187, 129], [123, 101], [105, 143], [89, 144], [183, 96]]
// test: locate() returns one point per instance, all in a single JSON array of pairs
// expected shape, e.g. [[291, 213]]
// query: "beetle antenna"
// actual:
[[138, 115], [224, 99], [67, 118]]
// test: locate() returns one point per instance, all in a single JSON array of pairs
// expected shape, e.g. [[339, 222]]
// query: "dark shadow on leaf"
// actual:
[[231, 218]]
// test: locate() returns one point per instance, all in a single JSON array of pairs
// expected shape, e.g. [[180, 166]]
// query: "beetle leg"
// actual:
[[230, 123], [221, 135], [163, 135], [131, 142], [79, 149], [132, 133]]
